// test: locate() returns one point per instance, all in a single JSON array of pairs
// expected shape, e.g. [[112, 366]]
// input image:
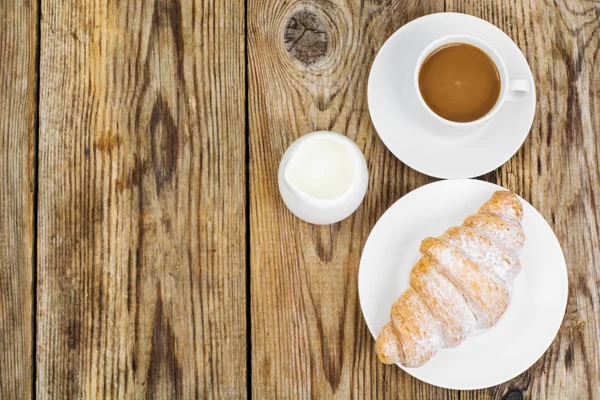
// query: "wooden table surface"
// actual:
[[144, 249]]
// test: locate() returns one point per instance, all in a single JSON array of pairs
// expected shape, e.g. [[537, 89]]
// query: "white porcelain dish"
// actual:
[[538, 294]]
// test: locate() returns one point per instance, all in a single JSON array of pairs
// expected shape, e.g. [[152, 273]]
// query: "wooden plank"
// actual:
[[309, 339], [142, 200], [558, 171], [308, 336], [18, 108]]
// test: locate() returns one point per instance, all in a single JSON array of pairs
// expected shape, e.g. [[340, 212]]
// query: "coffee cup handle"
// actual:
[[517, 88]]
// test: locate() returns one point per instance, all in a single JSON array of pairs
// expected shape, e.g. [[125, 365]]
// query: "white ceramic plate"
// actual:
[[538, 294], [425, 144]]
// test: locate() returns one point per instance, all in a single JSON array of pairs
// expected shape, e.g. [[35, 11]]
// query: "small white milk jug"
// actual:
[[323, 177]]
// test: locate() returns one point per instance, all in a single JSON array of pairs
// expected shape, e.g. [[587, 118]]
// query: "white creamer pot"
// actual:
[[323, 177]]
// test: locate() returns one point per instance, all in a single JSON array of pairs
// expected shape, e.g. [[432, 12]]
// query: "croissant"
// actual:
[[459, 284]]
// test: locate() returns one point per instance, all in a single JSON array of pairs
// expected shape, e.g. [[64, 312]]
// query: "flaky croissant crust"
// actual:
[[460, 284]]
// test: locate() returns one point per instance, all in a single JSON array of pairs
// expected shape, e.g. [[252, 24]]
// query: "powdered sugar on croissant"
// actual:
[[460, 284]]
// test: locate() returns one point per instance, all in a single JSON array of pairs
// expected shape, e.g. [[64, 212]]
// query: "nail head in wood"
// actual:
[[514, 395]]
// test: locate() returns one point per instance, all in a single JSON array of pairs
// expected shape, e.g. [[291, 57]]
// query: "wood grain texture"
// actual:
[[142, 200], [309, 339], [18, 71], [142, 208]]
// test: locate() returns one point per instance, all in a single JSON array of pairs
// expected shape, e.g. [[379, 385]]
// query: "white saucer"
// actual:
[[538, 294], [425, 144]]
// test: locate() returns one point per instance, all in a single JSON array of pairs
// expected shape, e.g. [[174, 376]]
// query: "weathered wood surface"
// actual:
[[308, 64], [142, 240], [18, 110], [141, 265]]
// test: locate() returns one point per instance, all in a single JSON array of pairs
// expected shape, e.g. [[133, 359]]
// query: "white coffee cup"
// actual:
[[510, 89]]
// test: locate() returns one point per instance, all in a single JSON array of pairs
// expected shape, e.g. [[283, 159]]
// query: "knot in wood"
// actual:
[[306, 37]]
